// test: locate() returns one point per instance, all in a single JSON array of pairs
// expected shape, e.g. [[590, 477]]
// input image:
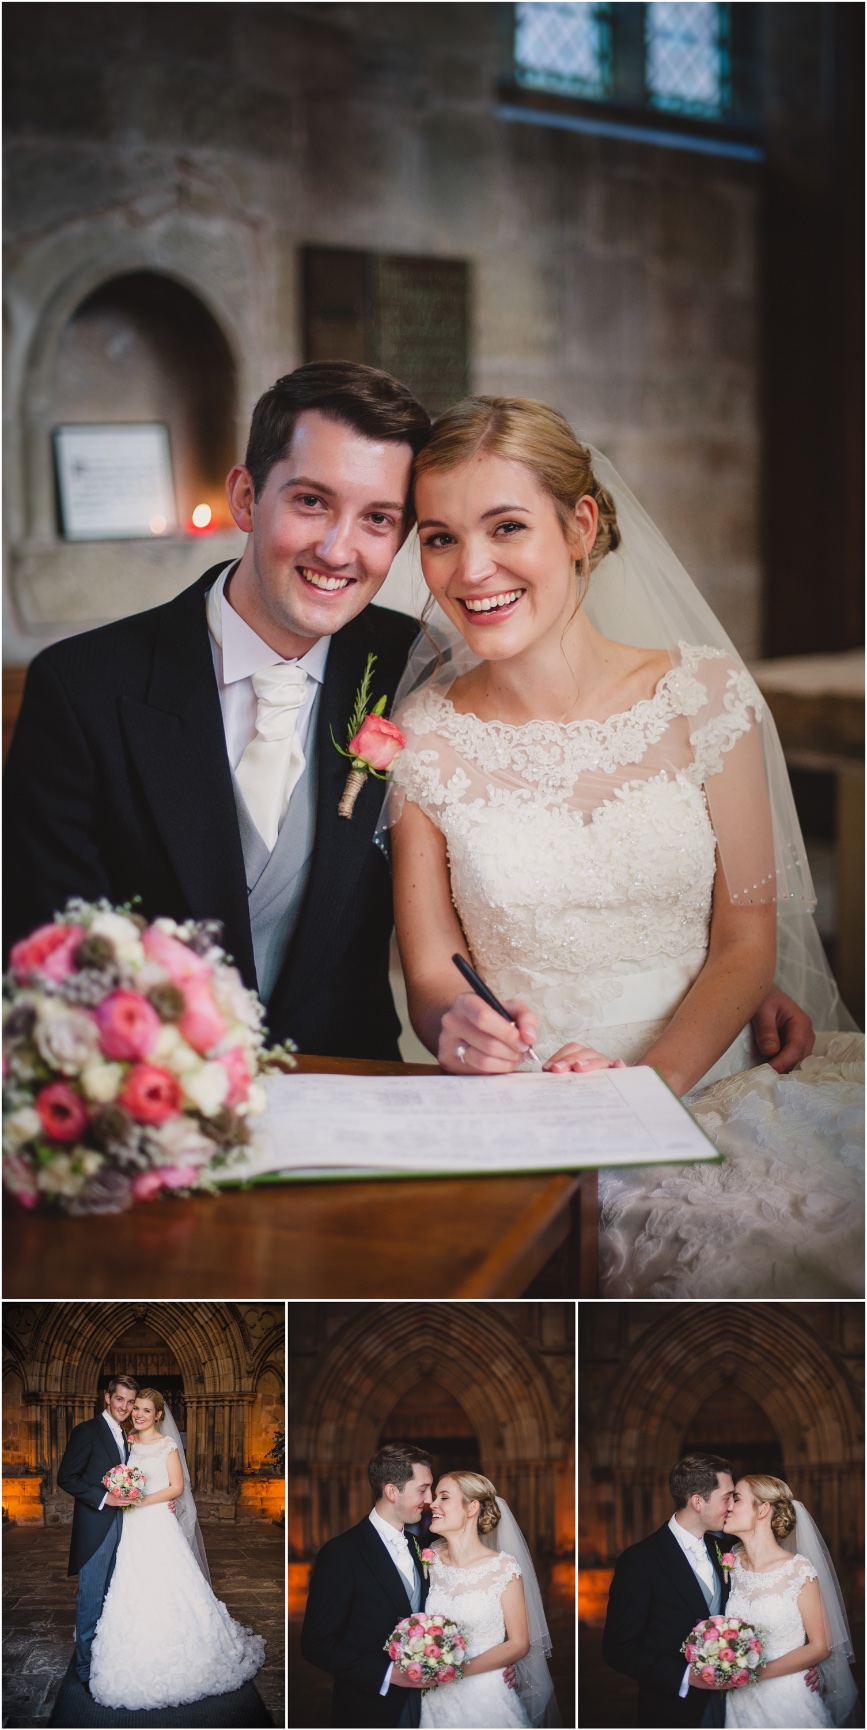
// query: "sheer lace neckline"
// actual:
[[585, 724], [768, 1573], [134, 1442], [473, 1572]]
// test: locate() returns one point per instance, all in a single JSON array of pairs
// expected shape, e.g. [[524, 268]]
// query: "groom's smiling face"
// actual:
[[321, 535], [411, 1501], [120, 1403]]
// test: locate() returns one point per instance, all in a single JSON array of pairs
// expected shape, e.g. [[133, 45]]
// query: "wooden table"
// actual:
[[414, 1238]]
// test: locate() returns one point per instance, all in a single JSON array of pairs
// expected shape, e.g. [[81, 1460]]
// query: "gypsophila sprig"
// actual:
[[133, 1057]]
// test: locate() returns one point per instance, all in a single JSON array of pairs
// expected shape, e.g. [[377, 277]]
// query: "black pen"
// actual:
[[486, 994]]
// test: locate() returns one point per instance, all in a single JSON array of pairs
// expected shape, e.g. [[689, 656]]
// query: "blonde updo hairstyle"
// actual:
[[475, 1488], [527, 432], [773, 1490], [157, 1401]]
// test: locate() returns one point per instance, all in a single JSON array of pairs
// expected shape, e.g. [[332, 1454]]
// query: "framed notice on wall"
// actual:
[[115, 482]]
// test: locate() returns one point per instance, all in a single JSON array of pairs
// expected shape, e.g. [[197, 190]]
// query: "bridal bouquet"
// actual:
[[428, 1649], [127, 1482], [131, 1054], [724, 1650]]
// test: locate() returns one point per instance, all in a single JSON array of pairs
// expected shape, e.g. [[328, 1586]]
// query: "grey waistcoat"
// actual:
[[276, 881]]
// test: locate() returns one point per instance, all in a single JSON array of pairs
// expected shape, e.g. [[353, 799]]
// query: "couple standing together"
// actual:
[[591, 804], [750, 1550], [149, 1631], [477, 1572]]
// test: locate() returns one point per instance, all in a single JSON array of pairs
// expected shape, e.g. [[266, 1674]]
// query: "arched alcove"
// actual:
[[737, 1428], [143, 347], [142, 1353], [438, 1423]]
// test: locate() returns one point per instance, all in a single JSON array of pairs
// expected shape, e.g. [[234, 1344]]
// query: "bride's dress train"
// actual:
[[163, 1638], [770, 1602], [582, 864], [472, 1597]]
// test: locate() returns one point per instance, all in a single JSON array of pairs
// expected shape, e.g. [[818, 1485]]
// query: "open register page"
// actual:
[[342, 1126]]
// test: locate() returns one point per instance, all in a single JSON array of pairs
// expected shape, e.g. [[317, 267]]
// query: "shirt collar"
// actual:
[[389, 1533], [244, 652], [685, 1538], [113, 1423]]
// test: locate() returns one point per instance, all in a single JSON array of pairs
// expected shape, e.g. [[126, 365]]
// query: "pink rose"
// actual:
[[447, 1675], [201, 1023], [151, 1094], [431, 1651], [236, 1063], [147, 1184], [48, 950], [377, 742], [754, 1645], [728, 1560], [739, 1677], [128, 1025], [394, 1650], [178, 959], [690, 1652], [718, 1621], [414, 1672], [728, 1655], [429, 1556], [62, 1112], [708, 1673]]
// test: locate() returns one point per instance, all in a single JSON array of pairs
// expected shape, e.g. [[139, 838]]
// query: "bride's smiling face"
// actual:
[[449, 1510], [495, 555], [144, 1415]]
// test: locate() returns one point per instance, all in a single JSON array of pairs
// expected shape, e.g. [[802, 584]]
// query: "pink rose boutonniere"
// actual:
[[426, 1556], [725, 1558], [372, 742]]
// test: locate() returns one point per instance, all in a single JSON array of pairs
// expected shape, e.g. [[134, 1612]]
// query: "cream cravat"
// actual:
[[273, 762]]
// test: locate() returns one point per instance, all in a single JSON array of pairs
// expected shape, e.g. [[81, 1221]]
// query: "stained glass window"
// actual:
[[564, 47], [687, 57]]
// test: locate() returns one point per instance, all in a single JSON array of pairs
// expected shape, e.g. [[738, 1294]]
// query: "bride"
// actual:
[[163, 1638], [480, 1583], [783, 1582], [593, 805]]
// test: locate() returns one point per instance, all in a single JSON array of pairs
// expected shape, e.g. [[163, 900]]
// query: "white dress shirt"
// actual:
[[695, 1551], [244, 653], [397, 1546], [120, 1438]]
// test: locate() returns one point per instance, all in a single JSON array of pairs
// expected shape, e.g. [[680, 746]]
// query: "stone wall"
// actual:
[[209, 143]]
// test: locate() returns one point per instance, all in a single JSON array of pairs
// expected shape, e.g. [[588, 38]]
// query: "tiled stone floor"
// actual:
[[247, 1572], [310, 1689]]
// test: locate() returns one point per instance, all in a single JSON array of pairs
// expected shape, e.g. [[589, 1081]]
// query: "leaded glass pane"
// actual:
[[564, 47], [687, 57]]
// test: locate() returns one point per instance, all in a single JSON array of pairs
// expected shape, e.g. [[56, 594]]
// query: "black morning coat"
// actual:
[[118, 784], [357, 1597], [90, 1452], [654, 1603]]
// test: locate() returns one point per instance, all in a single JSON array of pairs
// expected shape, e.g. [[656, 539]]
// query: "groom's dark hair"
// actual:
[[369, 401], [122, 1382], [696, 1475], [393, 1465]]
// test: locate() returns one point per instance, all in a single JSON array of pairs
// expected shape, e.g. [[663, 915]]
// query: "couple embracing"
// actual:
[[590, 803], [149, 1631], [732, 1553], [474, 1571]]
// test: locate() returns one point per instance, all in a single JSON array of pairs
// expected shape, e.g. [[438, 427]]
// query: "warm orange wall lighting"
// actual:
[[593, 1584], [296, 1589], [21, 1501]]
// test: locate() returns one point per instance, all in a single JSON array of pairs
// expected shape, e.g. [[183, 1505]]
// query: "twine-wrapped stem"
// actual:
[[354, 782]]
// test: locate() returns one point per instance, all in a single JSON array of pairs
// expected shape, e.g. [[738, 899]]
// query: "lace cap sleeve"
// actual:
[[805, 1571], [726, 740], [507, 1570]]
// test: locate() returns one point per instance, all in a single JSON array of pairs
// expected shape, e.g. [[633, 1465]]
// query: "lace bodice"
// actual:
[[582, 855], [473, 1597], [152, 1458], [770, 1601]]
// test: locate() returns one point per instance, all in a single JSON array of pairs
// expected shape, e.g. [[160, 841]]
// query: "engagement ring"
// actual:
[[462, 1053]]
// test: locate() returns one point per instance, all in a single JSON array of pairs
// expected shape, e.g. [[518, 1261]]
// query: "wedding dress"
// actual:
[[770, 1602], [163, 1638], [472, 1597], [582, 861]]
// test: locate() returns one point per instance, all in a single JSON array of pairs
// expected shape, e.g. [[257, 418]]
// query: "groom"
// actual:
[[93, 1448], [364, 1582], [137, 767]]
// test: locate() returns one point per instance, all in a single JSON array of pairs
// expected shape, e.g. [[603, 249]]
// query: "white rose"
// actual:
[[233, 999], [257, 1099], [151, 973], [207, 1088], [181, 1142], [172, 1050], [102, 1082], [65, 1037], [57, 1176], [20, 1127], [122, 934], [751, 1660], [89, 1161], [169, 926]]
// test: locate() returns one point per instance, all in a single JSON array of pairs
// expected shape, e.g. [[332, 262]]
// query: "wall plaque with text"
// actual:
[[115, 482]]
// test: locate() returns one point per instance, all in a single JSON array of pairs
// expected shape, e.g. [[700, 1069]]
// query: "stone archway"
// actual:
[[480, 1363]]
